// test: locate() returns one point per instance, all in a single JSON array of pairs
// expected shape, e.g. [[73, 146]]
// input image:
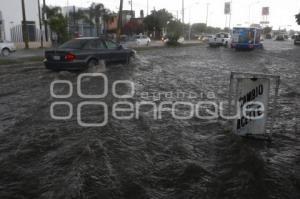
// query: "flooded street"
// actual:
[[147, 157]]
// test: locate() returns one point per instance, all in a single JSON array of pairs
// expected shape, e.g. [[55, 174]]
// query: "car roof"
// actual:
[[87, 38]]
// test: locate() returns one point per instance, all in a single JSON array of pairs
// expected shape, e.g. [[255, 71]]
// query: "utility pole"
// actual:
[[120, 20], [206, 14], [24, 26], [44, 20], [131, 6], [230, 14], [206, 21], [183, 31], [41, 27], [147, 7], [183, 11]]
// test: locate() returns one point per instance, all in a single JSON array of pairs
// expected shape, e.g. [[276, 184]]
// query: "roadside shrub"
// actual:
[[173, 40]]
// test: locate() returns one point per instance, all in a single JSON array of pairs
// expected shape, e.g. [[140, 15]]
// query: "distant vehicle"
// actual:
[[279, 38], [205, 38], [246, 38], [6, 48], [142, 40], [81, 53], [297, 39], [268, 36], [220, 39]]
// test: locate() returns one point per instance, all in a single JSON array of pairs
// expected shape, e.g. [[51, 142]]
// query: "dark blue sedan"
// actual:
[[81, 53]]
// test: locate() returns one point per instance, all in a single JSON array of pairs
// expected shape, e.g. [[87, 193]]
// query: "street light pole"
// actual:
[[147, 7], [230, 14], [120, 20], [44, 20], [207, 5], [131, 6], [41, 28], [183, 11], [250, 5], [24, 26]]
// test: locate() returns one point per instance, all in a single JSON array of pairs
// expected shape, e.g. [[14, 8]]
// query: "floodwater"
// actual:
[[146, 157]]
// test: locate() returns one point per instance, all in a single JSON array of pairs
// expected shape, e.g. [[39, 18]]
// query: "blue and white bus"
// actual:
[[246, 38]]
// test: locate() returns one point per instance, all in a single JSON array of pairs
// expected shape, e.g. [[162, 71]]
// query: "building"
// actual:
[[11, 21], [127, 15]]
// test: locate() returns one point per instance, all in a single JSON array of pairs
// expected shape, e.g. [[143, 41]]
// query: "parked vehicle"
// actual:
[[220, 39], [142, 40], [81, 53], [246, 38], [268, 36], [205, 38], [6, 48], [297, 39], [279, 38]]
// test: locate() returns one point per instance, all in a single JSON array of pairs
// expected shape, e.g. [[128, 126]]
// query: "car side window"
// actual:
[[90, 45], [111, 44], [218, 35], [100, 45]]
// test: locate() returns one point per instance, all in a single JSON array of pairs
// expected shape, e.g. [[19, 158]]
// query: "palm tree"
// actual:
[[298, 18], [77, 16], [97, 11]]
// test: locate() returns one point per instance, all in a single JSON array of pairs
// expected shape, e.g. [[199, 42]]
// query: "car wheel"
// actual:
[[92, 63], [5, 52], [226, 44]]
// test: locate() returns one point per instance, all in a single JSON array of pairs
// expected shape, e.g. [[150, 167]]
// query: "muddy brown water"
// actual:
[[148, 158]]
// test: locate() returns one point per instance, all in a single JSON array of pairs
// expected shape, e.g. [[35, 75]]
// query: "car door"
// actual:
[[115, 52], [217, 38], [96, 49]]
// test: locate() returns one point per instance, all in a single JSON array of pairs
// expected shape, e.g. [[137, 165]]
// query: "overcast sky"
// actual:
[[281, 12]]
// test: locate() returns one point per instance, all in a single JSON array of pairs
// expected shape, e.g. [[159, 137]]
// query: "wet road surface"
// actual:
[[148, 158]]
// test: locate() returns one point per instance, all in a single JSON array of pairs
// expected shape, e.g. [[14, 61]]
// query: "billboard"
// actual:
[[265, 11], [227, 9]]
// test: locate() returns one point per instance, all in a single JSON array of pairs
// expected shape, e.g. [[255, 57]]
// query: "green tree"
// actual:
[[75, 17], [174, 31], [198, 28], [267, 30], [97, 11], [298, 18], [57, 23], [157, 20]]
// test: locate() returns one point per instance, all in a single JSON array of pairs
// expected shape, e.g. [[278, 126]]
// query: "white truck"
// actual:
[[6, 48], [220, 39]]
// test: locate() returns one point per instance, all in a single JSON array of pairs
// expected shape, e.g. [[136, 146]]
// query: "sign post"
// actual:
[[251, 94]]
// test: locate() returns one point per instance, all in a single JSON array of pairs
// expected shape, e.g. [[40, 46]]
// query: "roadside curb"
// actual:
[[22, 64]]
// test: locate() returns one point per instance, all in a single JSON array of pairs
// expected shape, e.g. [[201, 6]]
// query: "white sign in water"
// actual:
[[252, 98]]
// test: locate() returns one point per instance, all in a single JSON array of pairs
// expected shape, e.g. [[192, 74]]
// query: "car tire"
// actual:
[[92, 63], [128, 60], [226, 44], [5, 52]]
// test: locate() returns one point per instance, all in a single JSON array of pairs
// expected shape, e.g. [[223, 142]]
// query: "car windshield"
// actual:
[[73, 44]]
